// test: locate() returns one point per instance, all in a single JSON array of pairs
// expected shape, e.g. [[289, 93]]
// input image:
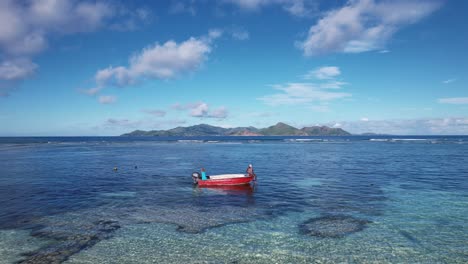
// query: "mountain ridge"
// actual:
[[280, 129]]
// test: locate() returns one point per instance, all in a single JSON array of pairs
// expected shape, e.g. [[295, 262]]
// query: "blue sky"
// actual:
[[108, 67]]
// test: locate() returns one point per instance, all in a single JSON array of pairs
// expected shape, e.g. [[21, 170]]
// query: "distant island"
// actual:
[[280, 129]]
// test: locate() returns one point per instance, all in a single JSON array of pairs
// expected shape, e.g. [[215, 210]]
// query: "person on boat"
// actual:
[[250, 172], [203, 174]]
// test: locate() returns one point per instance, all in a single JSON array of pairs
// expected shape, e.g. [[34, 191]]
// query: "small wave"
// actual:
[[379, 139], [122, 194], [189, 141], [171, 158], [410, 139], [302, 139]]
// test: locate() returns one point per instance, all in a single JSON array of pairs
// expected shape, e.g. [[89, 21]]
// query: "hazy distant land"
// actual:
[[280, 129]]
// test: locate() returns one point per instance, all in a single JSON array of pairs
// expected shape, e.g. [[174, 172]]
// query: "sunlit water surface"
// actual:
[[324, 200]]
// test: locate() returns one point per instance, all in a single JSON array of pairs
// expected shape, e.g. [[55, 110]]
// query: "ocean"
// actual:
[[357, 199]]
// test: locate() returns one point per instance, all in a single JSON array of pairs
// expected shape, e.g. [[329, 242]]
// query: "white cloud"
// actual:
[[125, 123], [220, 112], [240, 34], [170, 123], [308, 92], [107, 99], [25, 27], [131, 19], [332, 85], [301, 93], [91, 91], [213, 34], [298, 8], [16, 69], [326, 72], [454, 100], [155, 112], [384, 51], [181, 7], [202, 110], [449, 81], [249, 4], [363, 25], [364, 119], [199, 110], [430, 126], [159, 61]]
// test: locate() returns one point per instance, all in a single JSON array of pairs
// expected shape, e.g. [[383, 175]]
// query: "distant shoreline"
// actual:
[[280, 129]]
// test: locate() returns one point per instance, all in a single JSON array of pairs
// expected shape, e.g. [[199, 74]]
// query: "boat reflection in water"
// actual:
[[245, 189]]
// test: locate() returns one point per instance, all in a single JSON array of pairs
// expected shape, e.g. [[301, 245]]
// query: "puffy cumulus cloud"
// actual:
[[301, 93], [107, 99], [25, 27], [199, 110], [158, 61], [454, 100], [430, 126], [326, 72], [202, 110], [363, 25], [298, 8]]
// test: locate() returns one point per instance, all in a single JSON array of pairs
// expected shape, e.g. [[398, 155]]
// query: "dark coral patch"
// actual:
[[334, 226], [68, 243]]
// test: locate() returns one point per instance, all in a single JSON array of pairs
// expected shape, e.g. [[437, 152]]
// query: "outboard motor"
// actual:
[[195, 176]]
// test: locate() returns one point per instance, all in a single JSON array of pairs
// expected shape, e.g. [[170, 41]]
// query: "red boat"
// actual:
[[223, 179]]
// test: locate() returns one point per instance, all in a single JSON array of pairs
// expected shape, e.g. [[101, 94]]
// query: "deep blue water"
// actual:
[[385, 199]]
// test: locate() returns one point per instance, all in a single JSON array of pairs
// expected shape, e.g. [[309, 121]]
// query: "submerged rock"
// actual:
[[75, 231], [68, 241], [334, 226]]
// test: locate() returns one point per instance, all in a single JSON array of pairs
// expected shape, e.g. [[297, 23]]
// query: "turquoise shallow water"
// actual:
[[332, 200]]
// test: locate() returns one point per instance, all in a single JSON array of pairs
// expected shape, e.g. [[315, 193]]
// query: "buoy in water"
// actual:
[[115, 168]]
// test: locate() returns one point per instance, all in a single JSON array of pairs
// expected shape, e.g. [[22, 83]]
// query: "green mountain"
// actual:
[[243, 131], [324, 131], [280, 129], [197, 130]]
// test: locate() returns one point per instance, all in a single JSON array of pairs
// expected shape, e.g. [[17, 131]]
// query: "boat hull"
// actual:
[[226, 181]]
